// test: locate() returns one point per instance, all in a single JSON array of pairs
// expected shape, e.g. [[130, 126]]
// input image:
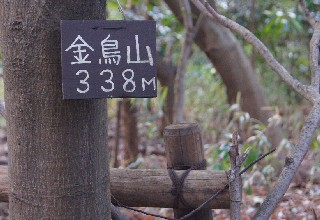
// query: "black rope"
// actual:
[[178, 183], [115, 202]]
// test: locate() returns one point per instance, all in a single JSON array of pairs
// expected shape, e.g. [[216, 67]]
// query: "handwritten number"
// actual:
[[83, 81], [108, 81], [128, 80]]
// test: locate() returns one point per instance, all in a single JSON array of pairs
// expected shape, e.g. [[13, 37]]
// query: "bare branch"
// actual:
[[306, 12], [257, 160], [198, 24], [235, 181], [314, 57], [186, 13], [184, 56], [292, 164], [307, 91], [116, 212]]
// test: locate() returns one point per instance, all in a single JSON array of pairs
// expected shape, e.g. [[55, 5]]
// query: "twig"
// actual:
[[314, 57], [205, 203], [307, 91], [256, 161], [306, 12], [137, 210], [235, 181], [121, 10]]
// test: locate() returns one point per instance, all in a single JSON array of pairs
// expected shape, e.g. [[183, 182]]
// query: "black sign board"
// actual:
[[108, 59]]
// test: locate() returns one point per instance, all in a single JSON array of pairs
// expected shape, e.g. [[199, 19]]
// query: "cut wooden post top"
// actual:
[[183, 145], [181, 129]]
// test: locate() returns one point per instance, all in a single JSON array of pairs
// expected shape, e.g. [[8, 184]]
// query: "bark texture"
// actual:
[[235, 180], [58, 158]]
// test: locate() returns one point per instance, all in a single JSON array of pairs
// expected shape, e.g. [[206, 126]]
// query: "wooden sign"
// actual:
[[108, 59]]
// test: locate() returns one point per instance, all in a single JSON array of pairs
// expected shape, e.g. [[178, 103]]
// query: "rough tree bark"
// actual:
[[58, 158], [228, 57]]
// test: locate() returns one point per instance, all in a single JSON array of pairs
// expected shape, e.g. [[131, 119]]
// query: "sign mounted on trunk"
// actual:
[[108, 59]]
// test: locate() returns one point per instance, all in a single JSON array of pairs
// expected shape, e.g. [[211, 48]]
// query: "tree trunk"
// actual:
[[166, 76], [131, 142], [227, 56], [58, 157]]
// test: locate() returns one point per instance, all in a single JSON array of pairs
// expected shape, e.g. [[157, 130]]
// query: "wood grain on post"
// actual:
[[184, 149], [152, 188]]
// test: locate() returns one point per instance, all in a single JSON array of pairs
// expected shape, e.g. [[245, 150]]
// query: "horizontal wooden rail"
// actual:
[[152, 188]]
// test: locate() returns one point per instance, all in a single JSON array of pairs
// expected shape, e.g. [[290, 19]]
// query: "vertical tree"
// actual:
[[130, 125], [58, 159]]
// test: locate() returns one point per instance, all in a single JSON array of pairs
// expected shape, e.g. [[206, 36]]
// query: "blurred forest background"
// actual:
[[227, 87]]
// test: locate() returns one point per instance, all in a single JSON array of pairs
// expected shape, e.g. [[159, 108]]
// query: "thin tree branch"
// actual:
[[291, 166], [314, 57], [198, 24], [307, 91], [184, 56], [114, 200], [257, 160], [306, 12]]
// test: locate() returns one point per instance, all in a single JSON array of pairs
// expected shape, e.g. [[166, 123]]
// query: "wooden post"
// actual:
[[184, 149]]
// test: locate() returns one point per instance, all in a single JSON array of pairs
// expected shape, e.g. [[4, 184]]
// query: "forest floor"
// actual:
[[302, 201]]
